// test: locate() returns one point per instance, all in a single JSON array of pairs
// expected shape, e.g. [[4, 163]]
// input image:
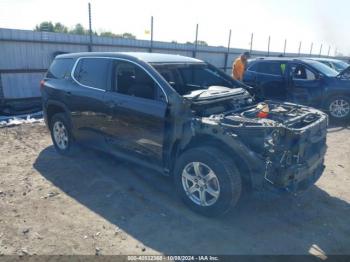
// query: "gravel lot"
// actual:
[[92, 203]]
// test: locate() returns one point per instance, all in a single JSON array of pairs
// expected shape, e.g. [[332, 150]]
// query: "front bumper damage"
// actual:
[[298, 162]]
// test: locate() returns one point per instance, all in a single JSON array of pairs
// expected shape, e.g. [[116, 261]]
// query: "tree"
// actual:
[[201, 42], [128, 36], [108, 34], [46, 26], [79, 30], [60, 28]]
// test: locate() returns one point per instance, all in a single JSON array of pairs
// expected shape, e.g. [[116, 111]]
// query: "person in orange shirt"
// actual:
[[239, 66]]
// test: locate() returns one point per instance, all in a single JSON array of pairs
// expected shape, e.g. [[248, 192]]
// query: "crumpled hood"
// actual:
[[214, 92]]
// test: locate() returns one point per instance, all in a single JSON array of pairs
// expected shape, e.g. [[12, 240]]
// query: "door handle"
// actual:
[[68, 93]]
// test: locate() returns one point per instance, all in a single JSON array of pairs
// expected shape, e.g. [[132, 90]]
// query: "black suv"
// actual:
[[185, 118], [303, 81]]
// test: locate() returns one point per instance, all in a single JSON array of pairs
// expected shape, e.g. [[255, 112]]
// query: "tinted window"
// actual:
[[130, 79], [272, 68], [253, 67], [60, 68], [92, 72]]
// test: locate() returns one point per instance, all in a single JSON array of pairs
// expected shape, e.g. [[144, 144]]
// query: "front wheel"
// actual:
[[339, 107], [207, 181]]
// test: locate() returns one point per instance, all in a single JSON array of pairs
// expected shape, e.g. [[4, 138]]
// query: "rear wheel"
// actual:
[[60, 133], [339, 107], [207, 181]]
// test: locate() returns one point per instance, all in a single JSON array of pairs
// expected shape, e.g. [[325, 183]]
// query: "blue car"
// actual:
[[302, 81]]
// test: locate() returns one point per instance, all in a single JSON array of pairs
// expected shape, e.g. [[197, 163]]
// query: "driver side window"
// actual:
[[129, 79], [303, 73]]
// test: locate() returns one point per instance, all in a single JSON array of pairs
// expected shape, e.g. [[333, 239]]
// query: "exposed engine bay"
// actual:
[[287, 136]]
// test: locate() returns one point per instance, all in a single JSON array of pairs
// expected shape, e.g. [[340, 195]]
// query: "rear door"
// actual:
[[270, 80], [136, 113], [86, 100]]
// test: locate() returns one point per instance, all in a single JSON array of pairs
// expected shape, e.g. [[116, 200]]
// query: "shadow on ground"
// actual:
[[144, 205]]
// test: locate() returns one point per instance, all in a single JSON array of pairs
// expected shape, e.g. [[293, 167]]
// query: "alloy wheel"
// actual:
[[60, 135], [200, 184], [339, 108]]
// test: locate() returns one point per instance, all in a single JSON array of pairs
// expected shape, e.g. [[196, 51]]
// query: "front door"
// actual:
[[137, 112], [304, 85]]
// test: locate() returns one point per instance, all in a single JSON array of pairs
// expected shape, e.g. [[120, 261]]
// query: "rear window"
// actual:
[[272, 68], [92, 72], [60, 68]]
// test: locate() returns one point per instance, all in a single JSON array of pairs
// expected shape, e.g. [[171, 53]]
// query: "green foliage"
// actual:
[[201, 42], [60, 28], [46, 26], [78, 29]]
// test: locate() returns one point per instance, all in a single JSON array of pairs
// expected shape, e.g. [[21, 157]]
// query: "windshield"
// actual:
[[326, 70], [186, 78], [340, 65]]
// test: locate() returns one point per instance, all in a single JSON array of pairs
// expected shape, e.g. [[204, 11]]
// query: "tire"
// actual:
[[338, 108], [225, 189], [61, 134]]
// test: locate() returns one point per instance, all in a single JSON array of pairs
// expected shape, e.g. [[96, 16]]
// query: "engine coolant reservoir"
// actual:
[[263, 110]]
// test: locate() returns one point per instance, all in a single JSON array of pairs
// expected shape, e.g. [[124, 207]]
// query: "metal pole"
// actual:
[[320, 51], [312, 44], [228, 51], [195, 42], [151, 48], [285, 46], [268, 46], [229, 41], [251, 43], [329, 50], [299, 48], [90, 30]]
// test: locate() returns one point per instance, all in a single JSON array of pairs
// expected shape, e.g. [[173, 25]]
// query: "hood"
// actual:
[[214, 93]]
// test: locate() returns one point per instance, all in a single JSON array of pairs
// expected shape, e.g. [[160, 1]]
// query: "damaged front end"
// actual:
[[288, 144]]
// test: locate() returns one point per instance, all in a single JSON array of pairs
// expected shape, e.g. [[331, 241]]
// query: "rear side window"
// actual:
[[93, 72], [271, 68], [253, 67], [60, 68]]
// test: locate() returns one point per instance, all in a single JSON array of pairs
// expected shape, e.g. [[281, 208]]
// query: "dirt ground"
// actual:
[[92, 203]]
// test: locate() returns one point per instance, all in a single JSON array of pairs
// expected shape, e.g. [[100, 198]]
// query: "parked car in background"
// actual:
[[337, 65], [302, 81], [184, 118]]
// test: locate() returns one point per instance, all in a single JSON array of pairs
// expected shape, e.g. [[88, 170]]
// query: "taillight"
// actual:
[[42, 84]]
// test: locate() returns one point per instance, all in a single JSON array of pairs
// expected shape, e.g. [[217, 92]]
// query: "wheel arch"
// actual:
[[208, 140], [54, 107]]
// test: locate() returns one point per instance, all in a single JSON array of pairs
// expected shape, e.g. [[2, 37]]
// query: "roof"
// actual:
[[284, 59], [323, 59], [146, 57]]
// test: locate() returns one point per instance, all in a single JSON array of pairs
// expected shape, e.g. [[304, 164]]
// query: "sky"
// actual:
[[309, 21]]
